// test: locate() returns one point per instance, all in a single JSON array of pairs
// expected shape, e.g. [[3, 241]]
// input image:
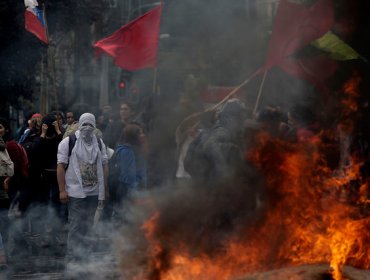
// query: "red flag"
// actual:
[[314, 69], [297, 25], [134, 46]]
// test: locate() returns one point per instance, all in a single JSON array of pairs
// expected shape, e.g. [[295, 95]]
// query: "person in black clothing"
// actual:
[[50, 137], [31, 144]]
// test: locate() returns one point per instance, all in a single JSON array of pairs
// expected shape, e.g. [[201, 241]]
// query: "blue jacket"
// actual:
[[132, 167]]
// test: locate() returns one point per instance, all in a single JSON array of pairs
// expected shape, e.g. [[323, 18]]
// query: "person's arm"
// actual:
[[104, 157], [61, 173], [44, 129], [62, 161], [106, 174]]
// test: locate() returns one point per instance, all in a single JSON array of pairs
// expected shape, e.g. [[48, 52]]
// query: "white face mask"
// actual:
[[87, 133]]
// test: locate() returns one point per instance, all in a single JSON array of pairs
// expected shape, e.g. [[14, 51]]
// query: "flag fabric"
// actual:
[[134, 46], [297, 25], [35, 21], [335, 47], [314, 69]]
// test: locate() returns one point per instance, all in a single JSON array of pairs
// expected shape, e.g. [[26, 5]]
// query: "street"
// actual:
[[42, 261]]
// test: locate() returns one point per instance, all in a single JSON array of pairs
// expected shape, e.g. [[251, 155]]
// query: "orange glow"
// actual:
[[314, 214]]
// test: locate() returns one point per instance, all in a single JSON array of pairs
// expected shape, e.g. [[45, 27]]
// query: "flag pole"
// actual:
[[42, 87], [155, 72], [46, 24], [193, 119], [259, 94], [51, 64], [51, 61]]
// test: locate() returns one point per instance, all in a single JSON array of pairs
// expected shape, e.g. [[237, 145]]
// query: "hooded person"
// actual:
[[82, 178], [216, 153]]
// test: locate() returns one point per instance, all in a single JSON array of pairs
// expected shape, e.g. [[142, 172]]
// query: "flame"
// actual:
[[314, 214]]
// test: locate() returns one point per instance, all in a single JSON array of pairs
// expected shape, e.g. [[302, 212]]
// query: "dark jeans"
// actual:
[[81, 213], [4, 221]]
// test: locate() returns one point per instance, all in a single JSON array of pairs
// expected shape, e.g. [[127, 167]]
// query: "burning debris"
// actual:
[[308, 272], [291, 208]]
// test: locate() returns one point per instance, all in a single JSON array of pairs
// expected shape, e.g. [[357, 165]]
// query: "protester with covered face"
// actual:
[[60, 119], [73, 125], [82, 177]]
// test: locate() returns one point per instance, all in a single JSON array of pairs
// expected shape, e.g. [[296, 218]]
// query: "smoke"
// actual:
[[197, 217], [219, 43]]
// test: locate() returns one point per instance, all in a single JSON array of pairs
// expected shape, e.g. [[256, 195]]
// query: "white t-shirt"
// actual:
[[73, 180]]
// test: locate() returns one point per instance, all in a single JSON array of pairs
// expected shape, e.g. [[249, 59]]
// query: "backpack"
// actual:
[[72, 141], [6, 164], [24, 160], [113, 177], [114, 168]]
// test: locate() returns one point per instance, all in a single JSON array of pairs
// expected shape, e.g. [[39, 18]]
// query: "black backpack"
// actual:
[[113, 177], [114, 168]]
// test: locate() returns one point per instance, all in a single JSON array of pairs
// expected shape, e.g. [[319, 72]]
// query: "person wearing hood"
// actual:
[[82, 178], [216, 153]]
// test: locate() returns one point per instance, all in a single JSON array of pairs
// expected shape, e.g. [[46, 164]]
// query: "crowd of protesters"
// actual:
[[61, 177], [66, 169]]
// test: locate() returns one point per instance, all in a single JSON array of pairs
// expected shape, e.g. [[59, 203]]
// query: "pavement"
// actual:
[[43, 260]]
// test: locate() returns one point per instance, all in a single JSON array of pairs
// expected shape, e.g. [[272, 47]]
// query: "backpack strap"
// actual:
[[99, 143], [71, 143]]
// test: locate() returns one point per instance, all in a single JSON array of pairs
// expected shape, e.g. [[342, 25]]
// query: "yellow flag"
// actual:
[[336, 48]]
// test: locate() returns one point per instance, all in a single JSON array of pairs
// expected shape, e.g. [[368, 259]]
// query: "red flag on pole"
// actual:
[[134, 46], [297, 25], [35, 21]]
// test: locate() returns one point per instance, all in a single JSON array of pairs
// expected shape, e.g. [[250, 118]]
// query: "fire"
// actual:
[[313, 213]]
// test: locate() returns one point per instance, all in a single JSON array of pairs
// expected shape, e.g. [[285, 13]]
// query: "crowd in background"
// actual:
[[118, 158]]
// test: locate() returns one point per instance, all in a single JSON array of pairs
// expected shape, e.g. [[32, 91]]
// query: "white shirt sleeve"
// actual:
[[104, 155], [63, 150]]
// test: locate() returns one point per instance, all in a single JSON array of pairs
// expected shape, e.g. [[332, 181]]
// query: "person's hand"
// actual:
[[101, 204], [63, 196], [6, 183], [106, 195], [57, 128], [44, 128]]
